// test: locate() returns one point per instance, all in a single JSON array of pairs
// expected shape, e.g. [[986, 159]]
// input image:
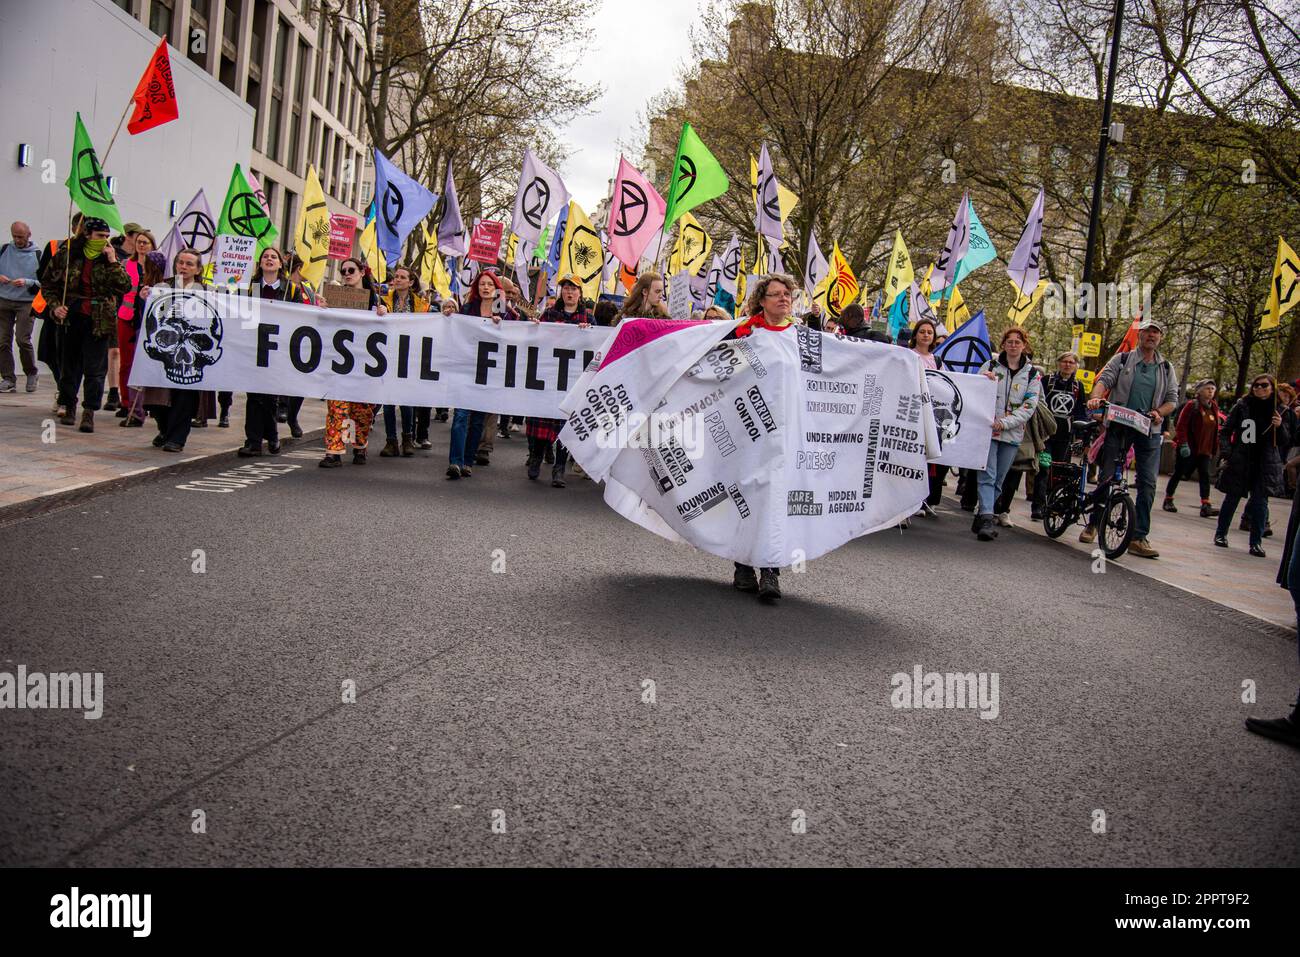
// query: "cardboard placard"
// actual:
[[485, 241], [338, 296], [232, 260], [680, 299], [342, 229]]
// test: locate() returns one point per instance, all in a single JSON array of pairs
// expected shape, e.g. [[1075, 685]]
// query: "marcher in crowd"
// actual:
[[467, 424], [125, 246], [1255, 436], [19, 265], [1019, 386], [769, 309], [1063, 393], [543, 434], [403, 297], [361, 414], [176, 417], [1144, 381], [1196, 440], [269, 283], [646, 300], [95, 282]]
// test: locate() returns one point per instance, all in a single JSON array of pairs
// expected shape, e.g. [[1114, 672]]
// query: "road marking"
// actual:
[[239, 477]]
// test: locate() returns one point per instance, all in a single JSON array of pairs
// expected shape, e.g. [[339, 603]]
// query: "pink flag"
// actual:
[[636, 213]]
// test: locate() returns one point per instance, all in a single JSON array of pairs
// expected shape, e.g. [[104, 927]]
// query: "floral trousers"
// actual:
[[337, 415]]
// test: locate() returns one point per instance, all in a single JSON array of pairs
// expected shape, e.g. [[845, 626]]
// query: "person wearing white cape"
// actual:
[[769, 307]]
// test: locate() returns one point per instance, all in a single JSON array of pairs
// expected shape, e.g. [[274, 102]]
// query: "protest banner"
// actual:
[[233, 342], [485, 241], [342, 229], [769, 450]]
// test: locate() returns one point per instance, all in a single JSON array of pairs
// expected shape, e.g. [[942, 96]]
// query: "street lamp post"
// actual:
[[1094, 217]]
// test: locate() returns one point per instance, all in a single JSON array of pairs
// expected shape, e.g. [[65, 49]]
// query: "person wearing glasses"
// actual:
[[769, 308], [1256, 436], [1142, 380], [362, 414]]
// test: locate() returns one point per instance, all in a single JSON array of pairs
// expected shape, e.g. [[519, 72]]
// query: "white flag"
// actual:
[[767, 201], [730, 265], [816, 267], [539, 200], [452, 237], [954, 250], [195, 228], [1024, 265]]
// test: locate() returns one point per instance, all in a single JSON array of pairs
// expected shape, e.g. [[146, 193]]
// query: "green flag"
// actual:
[[242, 214], [86, 182], [543, 244], [697, 176]]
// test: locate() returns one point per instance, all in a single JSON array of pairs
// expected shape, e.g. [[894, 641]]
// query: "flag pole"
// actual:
[[122, 119]]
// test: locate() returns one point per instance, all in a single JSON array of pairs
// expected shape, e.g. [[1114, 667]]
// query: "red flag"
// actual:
[[155, 94], [1131, 337]]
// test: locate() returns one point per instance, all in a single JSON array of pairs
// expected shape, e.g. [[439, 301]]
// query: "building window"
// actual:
[[273, 128], [254, 99], [124, 4], [290, 219], [198, 51], [299, 85], [160, 17], [313, 142]]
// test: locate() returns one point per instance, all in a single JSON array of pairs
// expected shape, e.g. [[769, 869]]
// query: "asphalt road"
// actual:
[[521, 692]]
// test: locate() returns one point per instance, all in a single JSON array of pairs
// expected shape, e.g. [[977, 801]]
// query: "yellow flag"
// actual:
[[900, 274], [312, 234], [1024, 305], [511, 245], [581, 252], [441, 279], [925, 283], [839, 288], [1284, 287], [433, 270], [957, 310], [693, 246], [370, 249]]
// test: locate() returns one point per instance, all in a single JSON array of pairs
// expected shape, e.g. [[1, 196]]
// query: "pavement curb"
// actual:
[[1233, 615], [77, 494]]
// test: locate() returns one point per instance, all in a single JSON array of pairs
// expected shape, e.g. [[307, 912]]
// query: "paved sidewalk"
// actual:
[[43, 458], [1188, 557]]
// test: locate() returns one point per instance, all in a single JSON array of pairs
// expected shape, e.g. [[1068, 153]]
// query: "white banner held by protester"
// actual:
[[963, 413], [231, 342], [769, 450]]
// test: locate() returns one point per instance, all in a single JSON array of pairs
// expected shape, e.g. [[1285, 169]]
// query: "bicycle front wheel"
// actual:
[[1116, 530], [1059, 511]]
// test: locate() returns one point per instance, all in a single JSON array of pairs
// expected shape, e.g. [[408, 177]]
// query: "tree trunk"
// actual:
[[1247, 343], [1288, 367]]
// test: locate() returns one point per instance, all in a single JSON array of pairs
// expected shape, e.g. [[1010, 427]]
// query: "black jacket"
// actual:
[[1246, 460]]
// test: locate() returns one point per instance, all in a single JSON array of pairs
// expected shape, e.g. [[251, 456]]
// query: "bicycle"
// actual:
[[1068, 498]]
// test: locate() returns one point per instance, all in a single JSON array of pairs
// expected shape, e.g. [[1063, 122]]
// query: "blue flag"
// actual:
[[898, 313], [557, 240], [979, 252], [400, 205], [966, 349]]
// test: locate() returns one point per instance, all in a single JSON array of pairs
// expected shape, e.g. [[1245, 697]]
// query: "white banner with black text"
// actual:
[[219, 341]]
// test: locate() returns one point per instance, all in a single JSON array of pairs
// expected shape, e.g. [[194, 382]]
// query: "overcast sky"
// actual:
[[635, 50]]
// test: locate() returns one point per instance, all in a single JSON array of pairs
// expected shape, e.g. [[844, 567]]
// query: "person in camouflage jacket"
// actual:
[[83, 288]]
